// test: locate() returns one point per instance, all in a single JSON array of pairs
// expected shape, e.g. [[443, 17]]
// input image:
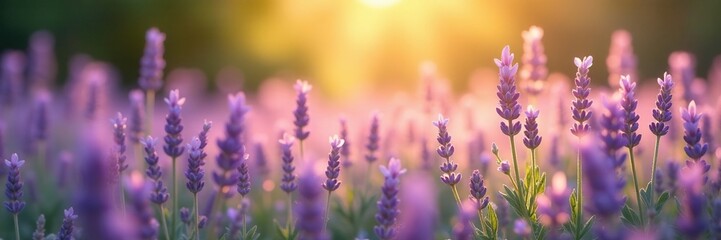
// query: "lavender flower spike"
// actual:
[[119, 126], [147, 226], [13, 186], [173, 126], [39, 233], [388, 203], [66, 230], [553, 207], [309, 208], [612, 140], [137, 114], [662, 114], [531, 140], [345, 151], [195, 173], [478, 191], [692, 133], [373, 139], [333, 170], [232, 148], [152, 62], [534, 59], [581, 106], [604, 189], [243, 185], [159, 195], [445, 150], [301, 111], [508, 108], [629, 103], [288, 182], [693, 220]]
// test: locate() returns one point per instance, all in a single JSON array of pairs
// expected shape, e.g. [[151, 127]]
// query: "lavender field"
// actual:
[[522, 153]]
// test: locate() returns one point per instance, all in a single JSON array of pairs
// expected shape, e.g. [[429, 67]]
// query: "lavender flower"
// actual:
[[373, 139], [505, 168], [159, 195], [662, 114], [119, 126], [554, 153], [147, 226], [237, 217], [682, 65], [152, 62], [137, 114], [692, 221], [553, 207], [692, 134], [39, 233], [612, 140], [243, 185], [301, 111], [604, 190], [707, 135], [531, 140], [388, 203], [333, 170], [425, 155], [41, 60], [13, 186], [173, 126], [203, 138], [11, 80], [445, 150], [463, 230], [39, 127], [534, 69], [195, 173], [581, 106], [420, 213], [232, 149], [658, 183], [629, 103], [522, 229], [508, 108], [345, 150], [621, 59], [309, 208], [478, 191], [672, 170], [261, 160], [288, 181], [185, 215], [66, 230]]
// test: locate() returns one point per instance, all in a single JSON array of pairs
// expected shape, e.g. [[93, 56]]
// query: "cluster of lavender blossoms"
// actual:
[[389, 202]]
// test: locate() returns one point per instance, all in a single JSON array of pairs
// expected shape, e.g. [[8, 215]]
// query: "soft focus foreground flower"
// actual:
[[152, 62], [309, 208], [534, 59], [388, 203]]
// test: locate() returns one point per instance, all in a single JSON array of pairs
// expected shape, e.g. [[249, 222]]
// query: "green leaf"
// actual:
[[662, 201], [491, 224], [587, 226], [646, 195], [630, 216]]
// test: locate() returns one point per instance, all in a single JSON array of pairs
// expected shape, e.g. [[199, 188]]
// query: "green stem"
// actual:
[[175, 197], [653, 165], [197, 216], [635, 184], [164, 222], [327, 212], [121, 192], [579, 195], [245, 230], [456, 196], [289, 221], [515, 159], [480, 219], [17, 227]]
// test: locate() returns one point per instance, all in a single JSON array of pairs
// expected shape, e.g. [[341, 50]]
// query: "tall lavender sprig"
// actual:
[[288, 182], [159, 194], [604, 189], [119, 126], [231, 147], [692, 133], [67, 228], [14, 190], [630, 126], [373, 139], [531, 139], [581, 105], [478, 194], [388, 203], [243, 185], [309, 208], [333, 170], [39, 233], [508, 108], [662, 114], [345, 150], [693, 220], [300, 113], [173, 143], [152, 62], [137, 114], [612, 140], [147, 226], [534, 59], [445, 151], [194, 175]]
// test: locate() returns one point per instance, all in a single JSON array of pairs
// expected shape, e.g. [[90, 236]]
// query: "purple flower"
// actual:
[[237, 217], [581, 106], [286, 146], [152, 62], [692, 133], [333, 170], [682, 65], [629, 104], [13, 186], [232, 148], [534, 69], [425, 155], [420, 212], [159, 195], [463, 230], [603, 189], [309, 208], [39, 233], [553, 207], [692, 221], [505, 168], [522, 229], [173, 126], [478, 191], [261, 160], [119, 126], [147, 226], [66, 229], [373, 139], [137, 114], [39, 127], [554, 153], [707, 135], [195, 173], [388, 203], [445, 150], [612, 140], [531, 140], [11, 80], [243, 185], [672, 171], [42, 68], [185, 215], [300, 113], [345, 150], [508, 108], [658, 184], [621, 59], [662, 113]]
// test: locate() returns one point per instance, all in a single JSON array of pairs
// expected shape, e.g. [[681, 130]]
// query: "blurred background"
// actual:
[[350, 45]]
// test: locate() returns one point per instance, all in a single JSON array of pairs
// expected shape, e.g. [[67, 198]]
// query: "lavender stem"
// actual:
[[635, 184], [17, 228], [165, 222]]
